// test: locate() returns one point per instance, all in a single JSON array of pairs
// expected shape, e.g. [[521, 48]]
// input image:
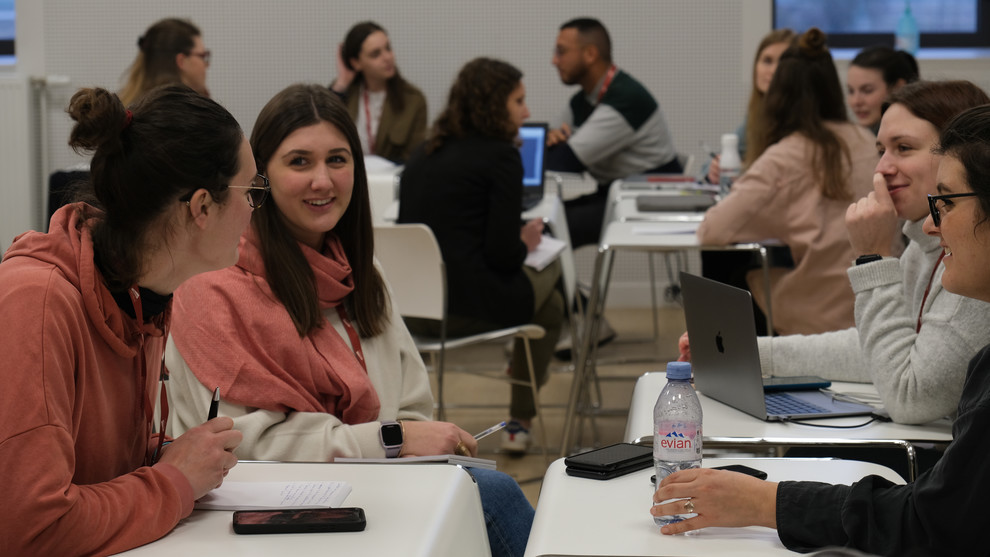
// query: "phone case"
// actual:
[[296, 521], [609, 462], [744, 470]]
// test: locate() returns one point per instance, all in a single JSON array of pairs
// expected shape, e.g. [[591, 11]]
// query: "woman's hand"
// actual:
[[684, 348], [714, 171], [433, 438], [345, 75], [205, 454], [872, 221], [532, 233], [719, 497]]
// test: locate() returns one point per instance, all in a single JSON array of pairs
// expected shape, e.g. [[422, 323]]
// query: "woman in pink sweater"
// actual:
[[86, 309]]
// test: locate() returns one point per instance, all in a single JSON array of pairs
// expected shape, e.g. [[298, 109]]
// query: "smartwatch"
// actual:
[[391, 436], [862, 259]]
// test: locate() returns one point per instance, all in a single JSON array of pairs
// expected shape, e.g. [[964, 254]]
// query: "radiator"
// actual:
[[19, 193]]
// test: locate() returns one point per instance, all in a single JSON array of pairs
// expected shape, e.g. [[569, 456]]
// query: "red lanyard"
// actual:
[[149, 407], [606, 83], [367, 121], [352, 334], [928, 289]]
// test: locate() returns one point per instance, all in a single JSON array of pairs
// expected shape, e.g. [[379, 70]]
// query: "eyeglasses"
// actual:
[[937, 205], [258, 190], [205, 55]]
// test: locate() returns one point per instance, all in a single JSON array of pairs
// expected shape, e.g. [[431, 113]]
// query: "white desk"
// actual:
[[725, 424], [576, 516], [412, 509]]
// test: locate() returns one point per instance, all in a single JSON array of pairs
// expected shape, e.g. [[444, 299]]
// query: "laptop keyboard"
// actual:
[[783, 404]]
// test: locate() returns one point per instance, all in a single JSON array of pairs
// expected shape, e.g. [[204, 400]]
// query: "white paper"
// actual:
[[275, 495], [544, 254]]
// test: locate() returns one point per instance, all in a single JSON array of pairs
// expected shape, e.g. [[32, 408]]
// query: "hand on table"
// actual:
[[720, 498], [205, 454], [532, 233], [872, 221], [559, 135], [433, 438]]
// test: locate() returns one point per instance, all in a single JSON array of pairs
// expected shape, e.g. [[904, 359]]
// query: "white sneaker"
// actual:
[[515, 438]]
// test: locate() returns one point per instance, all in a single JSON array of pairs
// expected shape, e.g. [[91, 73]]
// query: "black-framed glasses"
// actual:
[[205, 55], [258, 190], [937, 204]]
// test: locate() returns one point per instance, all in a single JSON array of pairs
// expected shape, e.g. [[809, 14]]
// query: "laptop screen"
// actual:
[[533, 151]]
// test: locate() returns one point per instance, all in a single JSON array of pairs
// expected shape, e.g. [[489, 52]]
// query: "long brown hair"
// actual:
[[353, 42], [478, 103], [756, 124], [289, 274], [155, 62], [805, 94]]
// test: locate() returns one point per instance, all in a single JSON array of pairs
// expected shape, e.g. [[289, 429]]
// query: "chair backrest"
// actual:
[[413, 265]]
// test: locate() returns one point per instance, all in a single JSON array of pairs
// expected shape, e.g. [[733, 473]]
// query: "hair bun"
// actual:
[[812, 42], [99, 117]]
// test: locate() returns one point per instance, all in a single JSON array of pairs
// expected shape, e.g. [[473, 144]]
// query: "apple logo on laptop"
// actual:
[[718, 343]]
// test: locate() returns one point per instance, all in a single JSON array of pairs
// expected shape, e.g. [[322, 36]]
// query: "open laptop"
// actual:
[[533, 151], [726, 359]]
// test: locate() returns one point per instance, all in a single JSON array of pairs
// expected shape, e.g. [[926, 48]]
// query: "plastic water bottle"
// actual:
[[907, 37], [676, 430], [729, 163]]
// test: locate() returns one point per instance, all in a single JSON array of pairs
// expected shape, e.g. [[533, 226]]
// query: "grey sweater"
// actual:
[[919, 375]]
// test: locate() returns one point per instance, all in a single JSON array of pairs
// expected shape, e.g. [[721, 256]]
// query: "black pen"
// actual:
[[214, 404]]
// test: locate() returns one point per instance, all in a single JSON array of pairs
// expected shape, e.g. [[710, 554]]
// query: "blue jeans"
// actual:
[[508, 514]]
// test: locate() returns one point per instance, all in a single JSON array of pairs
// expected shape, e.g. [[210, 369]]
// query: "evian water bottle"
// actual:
[[676, 429]]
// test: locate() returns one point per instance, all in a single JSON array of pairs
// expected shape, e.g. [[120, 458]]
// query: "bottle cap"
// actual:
[[678, 370], [730, 140]]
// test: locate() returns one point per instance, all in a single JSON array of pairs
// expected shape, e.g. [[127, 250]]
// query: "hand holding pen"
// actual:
[[214, 405]]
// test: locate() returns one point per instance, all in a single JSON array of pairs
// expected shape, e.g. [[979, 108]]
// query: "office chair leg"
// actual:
[[536, 398], [441, 410]]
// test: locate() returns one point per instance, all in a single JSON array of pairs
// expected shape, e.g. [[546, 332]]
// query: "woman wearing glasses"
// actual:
[[85, 314], [811, 162], [312, 360], [943, 512], [390, 112], [170, 51]]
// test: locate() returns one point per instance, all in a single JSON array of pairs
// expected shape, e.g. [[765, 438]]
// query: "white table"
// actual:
[[412, 509], [577, 516], [725, 424]]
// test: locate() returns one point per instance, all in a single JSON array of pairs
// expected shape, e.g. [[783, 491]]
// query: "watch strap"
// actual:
[[869, 258]]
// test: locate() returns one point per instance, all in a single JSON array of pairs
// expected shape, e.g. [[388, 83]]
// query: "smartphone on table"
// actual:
[[294, 521]]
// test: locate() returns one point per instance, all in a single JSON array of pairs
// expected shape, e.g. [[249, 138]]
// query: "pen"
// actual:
[[489, 431], [214, 404]]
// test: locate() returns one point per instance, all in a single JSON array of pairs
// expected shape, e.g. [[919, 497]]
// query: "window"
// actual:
[[860, 23], [7, 25]]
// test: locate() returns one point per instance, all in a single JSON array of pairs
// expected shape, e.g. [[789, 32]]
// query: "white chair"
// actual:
[[411, 259]]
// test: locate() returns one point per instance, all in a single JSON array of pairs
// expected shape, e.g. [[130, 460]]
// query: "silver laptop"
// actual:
[[726, 360]]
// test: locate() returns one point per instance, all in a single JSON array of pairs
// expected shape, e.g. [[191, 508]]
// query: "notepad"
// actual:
[[544, 254], [468, 461], [251, 496]]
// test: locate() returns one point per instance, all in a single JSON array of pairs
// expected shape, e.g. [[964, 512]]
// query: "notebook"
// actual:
[[726, 359], [533, 151]]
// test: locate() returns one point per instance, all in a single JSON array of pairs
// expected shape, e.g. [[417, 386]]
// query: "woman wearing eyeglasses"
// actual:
[[390, 112], [312, 360], [170, 51], [944, 511], [86, 309]]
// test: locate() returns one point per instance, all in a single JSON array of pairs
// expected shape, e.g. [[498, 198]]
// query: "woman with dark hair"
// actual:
[[943, 511], [466, 185], [86, 310], [390, 112], [874, 74], [811, 162], [313, 361], [170, 51]]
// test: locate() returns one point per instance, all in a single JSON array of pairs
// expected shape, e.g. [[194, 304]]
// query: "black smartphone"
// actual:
[[734, 468], [609, 462], [293, 521]]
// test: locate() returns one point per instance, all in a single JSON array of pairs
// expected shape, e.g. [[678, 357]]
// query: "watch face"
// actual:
[[391, 434]]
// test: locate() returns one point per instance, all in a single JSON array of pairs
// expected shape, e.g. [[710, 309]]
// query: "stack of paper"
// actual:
[[250, 496]]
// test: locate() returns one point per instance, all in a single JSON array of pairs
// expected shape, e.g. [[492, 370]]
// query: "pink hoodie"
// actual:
[[73, 432]]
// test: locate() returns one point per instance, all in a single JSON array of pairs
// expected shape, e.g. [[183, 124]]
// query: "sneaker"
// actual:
[[515, 438]]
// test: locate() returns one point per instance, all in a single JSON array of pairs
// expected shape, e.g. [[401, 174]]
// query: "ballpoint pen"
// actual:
[[214, 404], [489, 431]]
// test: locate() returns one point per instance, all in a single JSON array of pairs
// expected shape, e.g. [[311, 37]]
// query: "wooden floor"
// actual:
[[634, 352]]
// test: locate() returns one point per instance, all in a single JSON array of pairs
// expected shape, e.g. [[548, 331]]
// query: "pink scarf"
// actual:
[[233, 333]]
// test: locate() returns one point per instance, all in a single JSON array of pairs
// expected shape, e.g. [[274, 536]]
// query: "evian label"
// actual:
[[678, 441]]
